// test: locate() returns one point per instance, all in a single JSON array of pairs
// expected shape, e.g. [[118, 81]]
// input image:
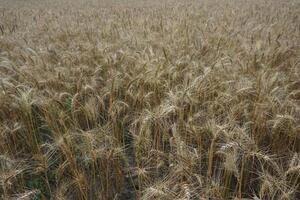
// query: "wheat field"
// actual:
[[150, 100]]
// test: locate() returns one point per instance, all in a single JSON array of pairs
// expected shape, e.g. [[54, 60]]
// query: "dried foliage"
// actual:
[[166, 100]]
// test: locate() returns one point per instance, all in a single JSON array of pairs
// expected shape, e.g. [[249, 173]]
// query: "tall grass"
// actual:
[[150, 100]]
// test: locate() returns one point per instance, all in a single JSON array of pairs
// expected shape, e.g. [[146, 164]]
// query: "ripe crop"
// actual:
[[166, 100]]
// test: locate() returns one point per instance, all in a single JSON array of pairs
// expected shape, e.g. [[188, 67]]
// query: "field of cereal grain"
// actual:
[[150, 100]]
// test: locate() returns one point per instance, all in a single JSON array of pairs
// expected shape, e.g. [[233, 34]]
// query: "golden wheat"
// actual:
[[149, 100]]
